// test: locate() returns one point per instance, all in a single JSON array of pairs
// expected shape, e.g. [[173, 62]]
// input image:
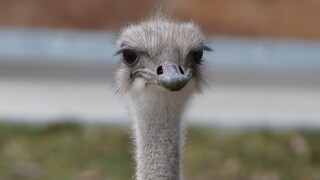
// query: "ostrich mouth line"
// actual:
[[171, 80]]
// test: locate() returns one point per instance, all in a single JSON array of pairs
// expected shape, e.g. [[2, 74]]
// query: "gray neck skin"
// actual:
[[159, 141]]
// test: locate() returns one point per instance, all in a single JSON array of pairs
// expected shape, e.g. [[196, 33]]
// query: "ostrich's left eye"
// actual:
[[197, 56], [129, 57]]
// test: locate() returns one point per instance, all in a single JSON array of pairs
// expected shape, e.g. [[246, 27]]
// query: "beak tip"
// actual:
[[174, 85]]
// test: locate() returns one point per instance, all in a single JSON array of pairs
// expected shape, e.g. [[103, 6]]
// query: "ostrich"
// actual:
[[160, 69]]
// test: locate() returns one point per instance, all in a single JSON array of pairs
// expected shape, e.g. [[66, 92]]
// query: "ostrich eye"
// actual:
[[129, 57], [197, 56]]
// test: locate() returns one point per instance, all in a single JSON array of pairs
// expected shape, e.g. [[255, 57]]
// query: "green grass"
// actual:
[[71, 151]]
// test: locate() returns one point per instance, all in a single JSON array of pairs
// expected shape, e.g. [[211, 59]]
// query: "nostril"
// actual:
[[159, 70], [181, 70]]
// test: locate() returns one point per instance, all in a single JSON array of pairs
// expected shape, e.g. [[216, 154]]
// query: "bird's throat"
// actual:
[[159, 140]]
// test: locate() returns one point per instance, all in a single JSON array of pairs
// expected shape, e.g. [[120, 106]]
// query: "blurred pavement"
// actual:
[[49, 92]]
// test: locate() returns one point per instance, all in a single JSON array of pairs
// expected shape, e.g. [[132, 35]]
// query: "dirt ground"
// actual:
[[276, 18]]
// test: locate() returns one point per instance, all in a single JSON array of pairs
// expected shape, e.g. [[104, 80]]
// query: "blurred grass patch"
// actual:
[[90, 152]]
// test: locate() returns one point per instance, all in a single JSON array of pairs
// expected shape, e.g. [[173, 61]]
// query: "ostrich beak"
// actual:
[[168, 75], [172, 77]]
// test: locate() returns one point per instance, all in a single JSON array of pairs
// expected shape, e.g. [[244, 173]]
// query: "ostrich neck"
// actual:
[[159, 140]]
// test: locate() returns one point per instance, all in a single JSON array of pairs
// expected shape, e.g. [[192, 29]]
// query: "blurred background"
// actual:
[[258, 120]]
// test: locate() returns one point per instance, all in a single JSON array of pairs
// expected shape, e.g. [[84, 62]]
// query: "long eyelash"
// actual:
[[207, 48], [122, 50], [130, 49], [202, 47], [118, 52]]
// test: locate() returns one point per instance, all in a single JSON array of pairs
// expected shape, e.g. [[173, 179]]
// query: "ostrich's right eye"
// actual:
[[197, 56], [129, 57]]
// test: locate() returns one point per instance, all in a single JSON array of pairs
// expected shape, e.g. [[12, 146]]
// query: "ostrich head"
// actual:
[[160, 68], [161, 56]]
